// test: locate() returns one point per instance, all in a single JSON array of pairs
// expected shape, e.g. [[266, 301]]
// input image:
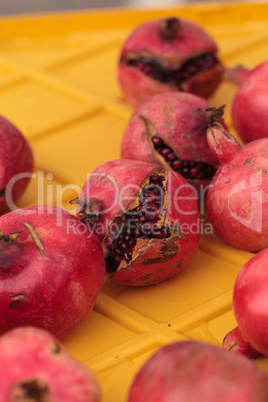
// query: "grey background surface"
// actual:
[[36, 6]]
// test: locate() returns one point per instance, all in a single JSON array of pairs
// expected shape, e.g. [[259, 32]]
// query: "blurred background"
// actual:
[[33, 6]]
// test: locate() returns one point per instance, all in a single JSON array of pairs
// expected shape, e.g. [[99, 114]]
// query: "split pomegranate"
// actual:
[[146, 218], [236, 342], [250, 104], [194, 372], [171, 54], [236, 200], [34, 366], [170, 129], [16, 163], [51, 269], [250, 302]]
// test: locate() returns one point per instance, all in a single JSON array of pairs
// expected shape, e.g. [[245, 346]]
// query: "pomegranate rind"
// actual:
[[250, 105], [250, 302], [32, 354], [50, 276], [194, 371]]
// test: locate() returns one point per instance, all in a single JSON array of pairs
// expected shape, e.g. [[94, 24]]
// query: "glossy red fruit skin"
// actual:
[[250, 303], [195, 371], [51, 274], [236, 199], [236, 342], [181, 120], [190, 41], [117, 185], [30, 355], [250, 105], [16, 158]]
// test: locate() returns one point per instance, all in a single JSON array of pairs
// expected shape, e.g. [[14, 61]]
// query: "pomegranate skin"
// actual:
[[34, 365], [16, 157], [181, 121], [236, 200], [236, 342], [51, 269], [168, 55], [250, 105], [158, 252], [194, 371], [250, 303]]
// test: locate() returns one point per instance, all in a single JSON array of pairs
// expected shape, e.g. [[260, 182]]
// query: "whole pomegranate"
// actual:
[[195, 371], [16, 163], [171, 54], [236, 342], [250, 104], [237, 199], [170, 129], [34, 366], [250, 302], [51, 269], [146, 218]]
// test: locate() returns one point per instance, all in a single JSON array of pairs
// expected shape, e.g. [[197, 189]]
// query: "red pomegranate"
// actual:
[[170, 129], [194, 372], [16, 163], [34, 366], [51, 269], [250, 303], [236, 201], [236, 342], [146, 218], [250, 104], [171, 54]]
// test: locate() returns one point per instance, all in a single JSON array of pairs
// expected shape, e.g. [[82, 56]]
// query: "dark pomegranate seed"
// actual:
[[144, 223], [164, 152]]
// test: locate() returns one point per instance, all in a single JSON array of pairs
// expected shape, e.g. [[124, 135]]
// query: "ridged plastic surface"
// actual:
[[58, 84]]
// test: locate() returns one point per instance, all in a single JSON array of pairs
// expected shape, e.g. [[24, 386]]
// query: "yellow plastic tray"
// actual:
[[58, 85]]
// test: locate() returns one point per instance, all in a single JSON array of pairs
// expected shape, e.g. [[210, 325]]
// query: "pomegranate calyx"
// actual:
[[91, 208], [9, 238], [169, 28], [32, 389], [214, 114]]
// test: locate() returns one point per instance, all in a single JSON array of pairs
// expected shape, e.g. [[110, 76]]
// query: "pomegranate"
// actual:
[[34, 366], [195, 371], [171, 54], [237, 343], [250, 302], [170, 129], [51, 269], [237, 199], [250, 104], [16, 162], [146, 218]]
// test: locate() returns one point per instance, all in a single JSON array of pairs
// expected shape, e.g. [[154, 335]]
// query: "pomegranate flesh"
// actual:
[[250, 104], [171, 54], [170, 129], [195, 371], [51, 269], [34, 366], [236, 200], [250, 302], [16, 162], [146, 218]]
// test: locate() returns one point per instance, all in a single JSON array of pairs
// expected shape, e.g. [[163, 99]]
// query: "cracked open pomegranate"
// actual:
[[194, 371], [171, 54], [170, 129], [35, 367], [146, 218], [237, 199], [51, 269], [16, 163]]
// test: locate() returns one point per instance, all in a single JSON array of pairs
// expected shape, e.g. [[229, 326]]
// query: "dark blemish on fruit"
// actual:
[[16, 300]]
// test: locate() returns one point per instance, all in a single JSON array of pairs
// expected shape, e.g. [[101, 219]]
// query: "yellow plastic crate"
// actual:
[[58, 84]]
